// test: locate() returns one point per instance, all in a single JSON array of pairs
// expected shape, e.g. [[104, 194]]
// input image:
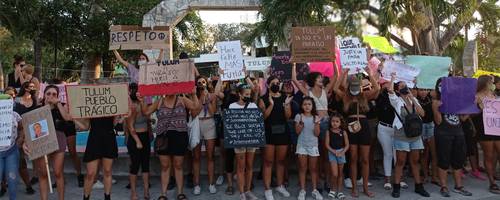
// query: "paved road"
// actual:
[[477, 187]]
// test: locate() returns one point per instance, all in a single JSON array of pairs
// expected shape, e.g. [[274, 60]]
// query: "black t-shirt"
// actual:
[[384, 109], [277, 116], [12, 82], [426, 104], [21, 109]]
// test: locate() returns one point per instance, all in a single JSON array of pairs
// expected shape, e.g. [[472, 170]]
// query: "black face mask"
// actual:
[[404, 91], [247, 99], [32, 92], [200, 87], [275, 88]]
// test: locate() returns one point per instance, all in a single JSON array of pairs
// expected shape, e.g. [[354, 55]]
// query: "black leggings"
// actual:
[[229, 161], [139, 157]]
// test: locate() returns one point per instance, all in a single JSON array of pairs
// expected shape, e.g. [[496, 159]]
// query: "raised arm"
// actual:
[[149, 109], [296, 82], [120, 59], [373, 93], [342, 80], [333, 80]]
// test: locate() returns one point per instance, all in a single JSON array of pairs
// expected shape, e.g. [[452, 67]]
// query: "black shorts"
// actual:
[[100, 145], [363, 137], [450, 148], [278, 139], [70, 129], [176, 143]]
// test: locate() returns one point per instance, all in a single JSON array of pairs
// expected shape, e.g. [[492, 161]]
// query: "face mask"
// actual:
[[275, 88], [141, 62], [404, 91], [32, 92], [493, 87], [247, 99]]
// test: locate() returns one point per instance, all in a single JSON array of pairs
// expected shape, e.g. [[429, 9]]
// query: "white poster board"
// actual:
[[258, 64], [354, 58], [230, 60], [6, 106], [403, 72]]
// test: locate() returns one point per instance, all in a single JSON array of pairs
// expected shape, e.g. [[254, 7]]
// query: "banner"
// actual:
[[166, 77], [313, 44], [491, 116], [458, 95], [230, 60], [325, 68], [62, 90], [92, 101], [39, 132], [379, 43], [243, 128], [403, 72], [258, 64], [281, 67], [353, 58], [469, 59], [128, 37], [6, 106], [431, 69]]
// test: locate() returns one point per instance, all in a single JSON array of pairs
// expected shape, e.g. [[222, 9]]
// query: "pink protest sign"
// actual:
[[325, 68], [491, 116]]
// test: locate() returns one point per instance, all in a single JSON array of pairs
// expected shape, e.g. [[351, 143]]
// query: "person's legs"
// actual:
[[179, 175], [269, 152], [249, 157], [313, 170], [415, 169], [488, 149], [385, 137], [90, 177], [354, 168], [240, 171], [210, 161], [135, 159], [58, 166], [196, 164], [77, 164], [229, 164], [10, 167], [400, 163], [107, 172], [23, 170], [434, 159], [302, 171], [340, 178], [43, 178], [281, 152], [165, 163], [365, 168]]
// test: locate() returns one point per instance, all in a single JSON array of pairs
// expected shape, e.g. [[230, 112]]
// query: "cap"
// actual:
[[354, 85]]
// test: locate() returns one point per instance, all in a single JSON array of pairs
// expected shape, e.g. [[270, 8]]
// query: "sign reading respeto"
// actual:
[[136, 37]]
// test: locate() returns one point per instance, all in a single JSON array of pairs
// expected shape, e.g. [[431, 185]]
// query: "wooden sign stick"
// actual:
[[48, 173]]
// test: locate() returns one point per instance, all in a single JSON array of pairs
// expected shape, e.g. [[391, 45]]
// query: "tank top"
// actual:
[[59, 122], [353, 109], [337, 139], [171, 119], [450, 123], [275, 123], [321, 102], [141, 122]]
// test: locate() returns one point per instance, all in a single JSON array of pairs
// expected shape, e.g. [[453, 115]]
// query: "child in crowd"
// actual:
[[337, 143]]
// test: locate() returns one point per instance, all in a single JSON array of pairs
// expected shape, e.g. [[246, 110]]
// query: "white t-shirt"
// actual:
[[235, 105]]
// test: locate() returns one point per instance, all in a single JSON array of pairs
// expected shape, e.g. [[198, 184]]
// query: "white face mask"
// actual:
[[142, 62]]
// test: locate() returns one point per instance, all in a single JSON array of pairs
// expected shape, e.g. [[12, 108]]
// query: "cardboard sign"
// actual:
[[403, 72], [469, 59], [39, 132], [491, 116], [62, 90], [166, 77], [136, 37], [258, 64], [281, 67], [349, 43], [6, 106], [230, 60], [243, 128], [91, 101], [353, 58], [458, 95], [431, 69], [313, 44]]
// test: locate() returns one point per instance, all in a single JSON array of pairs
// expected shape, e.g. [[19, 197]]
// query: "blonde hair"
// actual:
[[29, 69]]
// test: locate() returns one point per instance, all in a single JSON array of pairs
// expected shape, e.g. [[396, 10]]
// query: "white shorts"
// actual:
[[207, 129], [309, 151], [245, 150]]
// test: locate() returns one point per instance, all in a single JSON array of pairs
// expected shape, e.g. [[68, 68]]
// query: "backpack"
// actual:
[[412, 125]]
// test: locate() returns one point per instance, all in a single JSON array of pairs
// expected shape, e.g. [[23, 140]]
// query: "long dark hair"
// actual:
[[22, 91], [436, 88], [47, 88], [483, 81], [314, 112], [311, 78], [133, 91]]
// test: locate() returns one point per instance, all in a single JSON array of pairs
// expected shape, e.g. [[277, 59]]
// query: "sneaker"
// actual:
[[317, 195], [220, 180], [332, 194], [341, 196], [419, 189], [302, 195], [269, 195], [444, 192], [462, 191], [197, 190], [212, 189], [250, 196], [360, 182], [98, 185], [478, 175], [30, 190], [80, 180], [348, 183], [242, 196], [403, 185], [387, 186], [282, 190]]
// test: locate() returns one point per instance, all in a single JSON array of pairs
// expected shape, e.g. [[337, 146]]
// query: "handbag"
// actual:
[[194, 132], [355, 126]]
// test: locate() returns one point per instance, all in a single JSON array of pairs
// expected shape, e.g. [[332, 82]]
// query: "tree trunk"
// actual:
[[106, 65], [90, 69], [2, 80], [426, 36], [37, 46]]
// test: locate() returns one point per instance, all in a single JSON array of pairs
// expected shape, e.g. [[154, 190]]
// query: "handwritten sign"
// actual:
[[258, 64], [91, 101], [349, 43], [353, 58], [39, 132], [313, 44], [431, 69], [166, 77], [403, 72], [458, 95], [281, 67], [243, 128], [136, 37], [6, 106], [491, 116], [230, 60]]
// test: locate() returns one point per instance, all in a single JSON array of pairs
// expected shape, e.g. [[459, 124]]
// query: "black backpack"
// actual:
[[412, 125]]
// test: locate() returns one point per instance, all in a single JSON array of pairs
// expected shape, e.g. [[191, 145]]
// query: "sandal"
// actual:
[[181, 197], [162, 198], [494, 189], [444, 192], [461, 190], [341, 196]]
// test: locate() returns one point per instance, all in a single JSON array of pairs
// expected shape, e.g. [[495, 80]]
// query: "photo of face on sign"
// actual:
[[38, 129]]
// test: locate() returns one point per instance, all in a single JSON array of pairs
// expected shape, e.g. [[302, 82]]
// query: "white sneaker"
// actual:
[[282, 190], [360, 182], [212, 189], [348, 183], [220, 180], [197, 190], [403, 185], [98, 185], [243, 197], [302, 195], [250, 196], [269, 195], [317, 195]]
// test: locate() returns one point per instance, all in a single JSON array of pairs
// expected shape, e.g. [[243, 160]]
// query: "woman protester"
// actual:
[[133, 68], [14, 79], [27, 76]]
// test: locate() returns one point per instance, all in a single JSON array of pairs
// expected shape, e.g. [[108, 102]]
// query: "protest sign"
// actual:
[[257, 64], [6, 106], [491, 116], [349, 43], [458, 95], [403, 72], [379, 43], [135, 37], [469, 59], [353, 58], [243, 128], [281, 67], [92, 101], [313, 44], [62, 90], [230, 60], [166, 77], [325, 68], [431, 69], [39, 132]]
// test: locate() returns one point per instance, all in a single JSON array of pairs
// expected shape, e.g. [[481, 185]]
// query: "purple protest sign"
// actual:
[[458, 95], [491, 116]]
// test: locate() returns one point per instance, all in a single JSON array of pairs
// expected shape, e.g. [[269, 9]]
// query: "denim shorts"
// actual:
[[427, 130], [323, 127], [400, 145], [336, 159]]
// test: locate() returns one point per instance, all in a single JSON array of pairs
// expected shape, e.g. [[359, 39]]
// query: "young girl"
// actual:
[[337, 143], [307, 126]]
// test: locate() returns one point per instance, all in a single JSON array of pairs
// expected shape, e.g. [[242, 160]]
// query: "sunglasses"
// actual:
[[22, 65]]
